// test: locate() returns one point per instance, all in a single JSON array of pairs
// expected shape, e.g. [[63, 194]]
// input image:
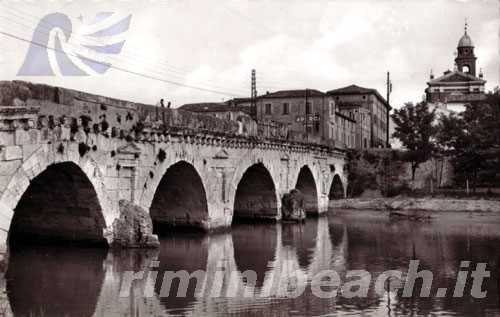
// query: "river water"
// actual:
[[64, 281]]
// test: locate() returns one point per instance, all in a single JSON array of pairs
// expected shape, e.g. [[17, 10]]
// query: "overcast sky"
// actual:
[[322, 44]]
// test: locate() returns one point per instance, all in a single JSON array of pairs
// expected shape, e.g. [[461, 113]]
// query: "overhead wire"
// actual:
[[114, 58]]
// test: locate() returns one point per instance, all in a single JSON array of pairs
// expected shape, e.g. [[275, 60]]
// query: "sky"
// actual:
[[203, 51]]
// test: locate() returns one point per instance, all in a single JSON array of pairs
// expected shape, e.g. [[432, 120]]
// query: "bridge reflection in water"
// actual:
[[83, 282]]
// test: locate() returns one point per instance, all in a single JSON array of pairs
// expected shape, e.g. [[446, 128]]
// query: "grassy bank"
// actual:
[[419, 204]]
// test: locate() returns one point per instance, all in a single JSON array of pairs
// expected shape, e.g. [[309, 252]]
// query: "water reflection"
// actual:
[[255, 248], [53, 281], [180, 252], [377, 245], [302, 238], [82, 282]]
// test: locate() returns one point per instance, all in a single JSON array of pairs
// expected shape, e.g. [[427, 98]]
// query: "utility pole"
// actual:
[[389, 90], [306, 120], [253, 95]]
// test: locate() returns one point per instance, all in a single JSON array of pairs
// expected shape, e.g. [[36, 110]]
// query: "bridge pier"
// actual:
[[134, 228]]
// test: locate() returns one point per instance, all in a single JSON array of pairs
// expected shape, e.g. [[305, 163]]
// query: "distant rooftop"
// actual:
[[212, 107], [351, 90], [295, 93], [456, 76], [357, 90], [239, 100]]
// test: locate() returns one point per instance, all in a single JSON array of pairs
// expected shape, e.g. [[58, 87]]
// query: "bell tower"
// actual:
[[466, 60]]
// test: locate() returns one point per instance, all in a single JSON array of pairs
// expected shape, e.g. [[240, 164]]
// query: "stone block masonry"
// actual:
[[82, 168]]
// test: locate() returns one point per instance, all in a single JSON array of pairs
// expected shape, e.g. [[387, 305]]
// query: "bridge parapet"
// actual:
[[25, 105]]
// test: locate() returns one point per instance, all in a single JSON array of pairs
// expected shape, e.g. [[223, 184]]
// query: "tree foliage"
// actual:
[[415, 129], [472, 139]]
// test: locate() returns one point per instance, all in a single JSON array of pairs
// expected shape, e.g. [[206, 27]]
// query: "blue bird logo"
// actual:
[[88, 51]]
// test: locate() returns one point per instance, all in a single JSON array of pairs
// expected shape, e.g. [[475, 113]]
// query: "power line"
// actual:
[[69, 44], [39, 20], [267, 84], [178, 72], [169, 70], [124, 69]]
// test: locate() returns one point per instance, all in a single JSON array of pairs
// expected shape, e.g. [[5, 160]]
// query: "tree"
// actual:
[[472, 139], [415, 129]]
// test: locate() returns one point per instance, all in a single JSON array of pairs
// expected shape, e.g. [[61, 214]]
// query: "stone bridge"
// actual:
[[85, 168]]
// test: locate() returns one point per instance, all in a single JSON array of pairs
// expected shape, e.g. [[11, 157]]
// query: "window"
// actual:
[[286, 108], [268, 109]]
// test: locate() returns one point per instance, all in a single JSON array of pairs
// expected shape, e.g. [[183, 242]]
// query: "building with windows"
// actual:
[[361, 116], [370, 111], [344, 130], [304, 111], [309, 113], [454, 89], [349, 117]]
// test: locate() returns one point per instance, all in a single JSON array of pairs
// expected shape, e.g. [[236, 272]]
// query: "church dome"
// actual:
[[465, 41]]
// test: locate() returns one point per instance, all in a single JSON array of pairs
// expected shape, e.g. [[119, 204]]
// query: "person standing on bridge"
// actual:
[[161, 104]]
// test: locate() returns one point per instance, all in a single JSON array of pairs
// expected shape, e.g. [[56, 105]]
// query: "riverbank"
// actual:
[[418, 204]]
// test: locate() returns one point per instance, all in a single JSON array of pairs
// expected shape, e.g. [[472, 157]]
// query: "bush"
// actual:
[[60, 148], [73, 126], [370, 157], [104, 125], [83, 148], [161, 155]]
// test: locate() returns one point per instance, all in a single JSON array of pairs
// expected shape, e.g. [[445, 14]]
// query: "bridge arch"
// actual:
[[79, 209], [180, 199], [337, 190], [256, 196], [307, 184]]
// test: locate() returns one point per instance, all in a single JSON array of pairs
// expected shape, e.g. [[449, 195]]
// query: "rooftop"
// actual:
[[212, 107], [456, 76], [358, 90], [465, 41], [351, 90], [239, 100], [295, 93]]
